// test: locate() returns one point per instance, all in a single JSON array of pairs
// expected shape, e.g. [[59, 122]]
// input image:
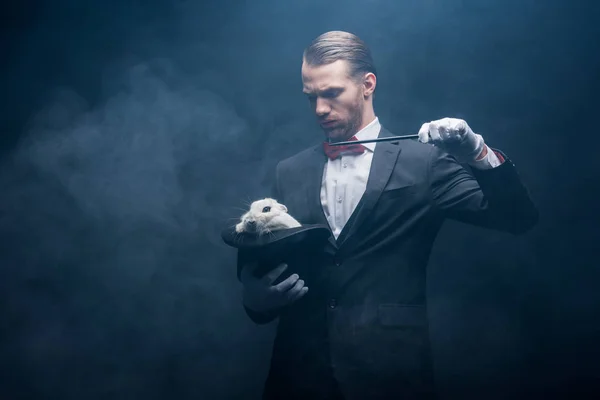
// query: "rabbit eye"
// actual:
[[266, 209]]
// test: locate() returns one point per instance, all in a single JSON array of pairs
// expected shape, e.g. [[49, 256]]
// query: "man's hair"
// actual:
[[338, 45]]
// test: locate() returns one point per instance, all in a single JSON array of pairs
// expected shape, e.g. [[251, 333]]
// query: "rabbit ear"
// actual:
[[283, 208]]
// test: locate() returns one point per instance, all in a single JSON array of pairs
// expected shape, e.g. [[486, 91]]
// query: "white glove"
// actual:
[[454, 136]]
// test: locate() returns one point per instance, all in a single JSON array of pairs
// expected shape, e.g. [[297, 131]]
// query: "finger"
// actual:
[[457, 129], [434, 132], [293, 292], [458, 124], [446, 122], [270, 277], [445, 132], [424, 133], [463, 128], [247, 272], [442, 128], [287, 284], [299, 294]]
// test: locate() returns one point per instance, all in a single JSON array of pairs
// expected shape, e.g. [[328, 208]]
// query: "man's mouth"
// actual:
[[328, 124]]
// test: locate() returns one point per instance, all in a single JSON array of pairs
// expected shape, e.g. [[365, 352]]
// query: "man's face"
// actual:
[[336, 99]]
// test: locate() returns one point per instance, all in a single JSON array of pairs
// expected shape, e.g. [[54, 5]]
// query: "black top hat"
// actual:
[[292, 246]]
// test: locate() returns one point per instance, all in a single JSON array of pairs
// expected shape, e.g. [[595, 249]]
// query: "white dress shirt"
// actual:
[[345, 178]]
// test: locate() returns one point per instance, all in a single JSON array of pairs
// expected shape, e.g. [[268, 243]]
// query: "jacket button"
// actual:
[[332, 303]]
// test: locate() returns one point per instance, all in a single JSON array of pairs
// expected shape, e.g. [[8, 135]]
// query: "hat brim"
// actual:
[[292, 236]]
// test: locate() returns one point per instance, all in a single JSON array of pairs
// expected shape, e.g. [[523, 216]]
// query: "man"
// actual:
[[355, 325]]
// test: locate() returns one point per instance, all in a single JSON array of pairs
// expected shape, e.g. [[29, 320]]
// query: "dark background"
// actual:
[[132, 132]]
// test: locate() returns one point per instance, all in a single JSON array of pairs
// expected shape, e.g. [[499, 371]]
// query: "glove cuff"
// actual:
[[472, 147], [480, 144]]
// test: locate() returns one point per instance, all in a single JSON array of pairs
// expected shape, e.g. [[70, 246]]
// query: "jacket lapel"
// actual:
[[384, 161]]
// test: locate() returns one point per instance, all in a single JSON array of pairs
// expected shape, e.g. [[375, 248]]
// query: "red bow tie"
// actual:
[[334, 152]]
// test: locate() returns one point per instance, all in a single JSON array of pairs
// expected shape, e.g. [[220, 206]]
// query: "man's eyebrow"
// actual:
[[327, 89]]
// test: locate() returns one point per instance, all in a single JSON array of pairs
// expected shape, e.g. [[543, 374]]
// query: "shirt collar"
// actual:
[[371, 131]]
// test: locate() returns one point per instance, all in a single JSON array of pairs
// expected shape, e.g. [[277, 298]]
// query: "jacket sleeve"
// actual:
[[492, 198], [242, 259]]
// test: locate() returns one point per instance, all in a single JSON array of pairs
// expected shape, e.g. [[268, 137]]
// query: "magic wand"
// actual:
[[383, 139]]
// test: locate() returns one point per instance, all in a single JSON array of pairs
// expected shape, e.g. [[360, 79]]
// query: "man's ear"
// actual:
[[369, 84]]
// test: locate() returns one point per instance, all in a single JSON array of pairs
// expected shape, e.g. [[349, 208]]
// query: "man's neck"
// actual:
[[366, 122]]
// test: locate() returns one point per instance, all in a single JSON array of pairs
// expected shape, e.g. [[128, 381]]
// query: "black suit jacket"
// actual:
[[364, 319]]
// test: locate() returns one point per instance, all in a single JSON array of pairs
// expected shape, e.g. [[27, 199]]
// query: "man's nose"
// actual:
[[322, 107]]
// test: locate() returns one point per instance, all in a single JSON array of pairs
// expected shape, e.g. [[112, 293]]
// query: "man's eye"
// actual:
[[266, 209], [331, 94]]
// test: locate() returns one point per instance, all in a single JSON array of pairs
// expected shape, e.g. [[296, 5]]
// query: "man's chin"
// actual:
[[335, 135]]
